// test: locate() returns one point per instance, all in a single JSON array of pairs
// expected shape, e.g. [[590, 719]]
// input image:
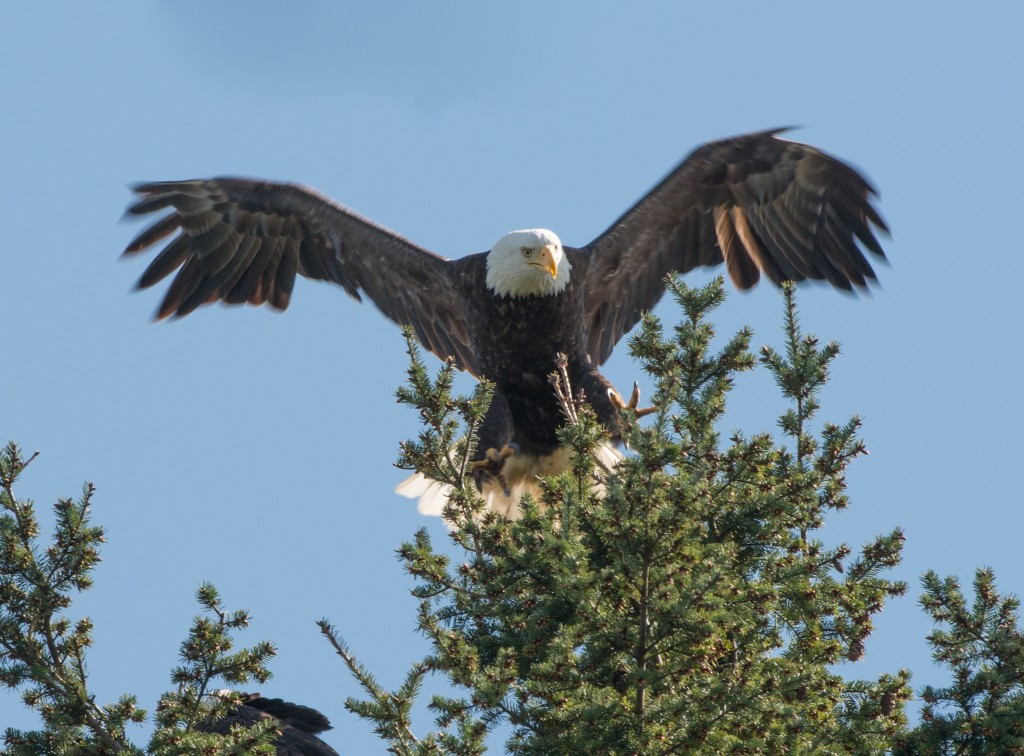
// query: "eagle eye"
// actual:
[[527, 251]]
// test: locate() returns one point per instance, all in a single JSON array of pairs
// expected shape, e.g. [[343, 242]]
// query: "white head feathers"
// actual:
[[529, 262]]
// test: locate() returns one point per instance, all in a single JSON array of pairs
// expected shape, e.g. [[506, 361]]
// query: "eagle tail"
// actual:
[[520, 471], [431, 494]]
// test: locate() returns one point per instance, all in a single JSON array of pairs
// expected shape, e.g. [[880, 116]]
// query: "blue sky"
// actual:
[[255, 450]]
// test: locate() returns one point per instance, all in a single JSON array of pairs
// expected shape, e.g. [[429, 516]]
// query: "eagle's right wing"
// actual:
[[241, 241]]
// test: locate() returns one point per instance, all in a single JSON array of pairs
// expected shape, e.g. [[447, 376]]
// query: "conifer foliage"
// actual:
[[683, 602], [982, 710], [43, 652]]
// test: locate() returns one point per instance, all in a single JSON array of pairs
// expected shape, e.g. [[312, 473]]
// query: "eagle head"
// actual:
[[527, 263]]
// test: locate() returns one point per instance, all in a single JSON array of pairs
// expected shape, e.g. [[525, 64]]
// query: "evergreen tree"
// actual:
[[982, 710], [683, 602], [42, 651]]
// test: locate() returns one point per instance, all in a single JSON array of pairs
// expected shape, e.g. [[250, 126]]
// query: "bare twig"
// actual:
[[563, 389]]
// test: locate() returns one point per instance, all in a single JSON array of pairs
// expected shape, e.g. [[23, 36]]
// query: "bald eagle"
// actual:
[[758, 203], [297, 726]]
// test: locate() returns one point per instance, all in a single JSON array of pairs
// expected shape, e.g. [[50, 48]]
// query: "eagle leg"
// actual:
[[634, 400], [490, 467]]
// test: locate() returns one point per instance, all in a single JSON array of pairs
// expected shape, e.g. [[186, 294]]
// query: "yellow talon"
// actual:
[[493, 458], [634, 400], [490, 466]]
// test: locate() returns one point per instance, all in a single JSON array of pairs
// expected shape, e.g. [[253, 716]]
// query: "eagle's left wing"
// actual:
[[240, 240], [759, 203]]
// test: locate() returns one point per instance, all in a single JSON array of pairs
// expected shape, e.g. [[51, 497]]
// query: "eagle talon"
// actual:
[[493, 458], [503, 483], [490, 467], [634, 400]]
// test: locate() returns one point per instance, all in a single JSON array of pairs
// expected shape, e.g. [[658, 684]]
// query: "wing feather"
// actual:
[[149, 236], [757, 202], [181, 287], [213, 246], [251, 279], [779, 251], [241, 240], [208, 289], [169, 260], [742, 270], [235, 270], [287, 269], [779, 247], [266, 287]]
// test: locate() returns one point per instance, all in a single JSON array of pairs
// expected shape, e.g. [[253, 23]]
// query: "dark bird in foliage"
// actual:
[[760, 204], [298, 725]]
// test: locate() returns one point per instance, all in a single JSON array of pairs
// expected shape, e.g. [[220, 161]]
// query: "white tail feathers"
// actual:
[[521, 472], [431, 494]]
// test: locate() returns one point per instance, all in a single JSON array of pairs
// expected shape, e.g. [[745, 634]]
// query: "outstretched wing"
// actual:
[[241, 241], [759, 203]]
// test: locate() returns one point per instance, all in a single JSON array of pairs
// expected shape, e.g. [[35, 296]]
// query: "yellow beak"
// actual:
[[547, 259]]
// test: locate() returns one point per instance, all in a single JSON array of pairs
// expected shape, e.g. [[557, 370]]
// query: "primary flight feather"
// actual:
[[758, 203]]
